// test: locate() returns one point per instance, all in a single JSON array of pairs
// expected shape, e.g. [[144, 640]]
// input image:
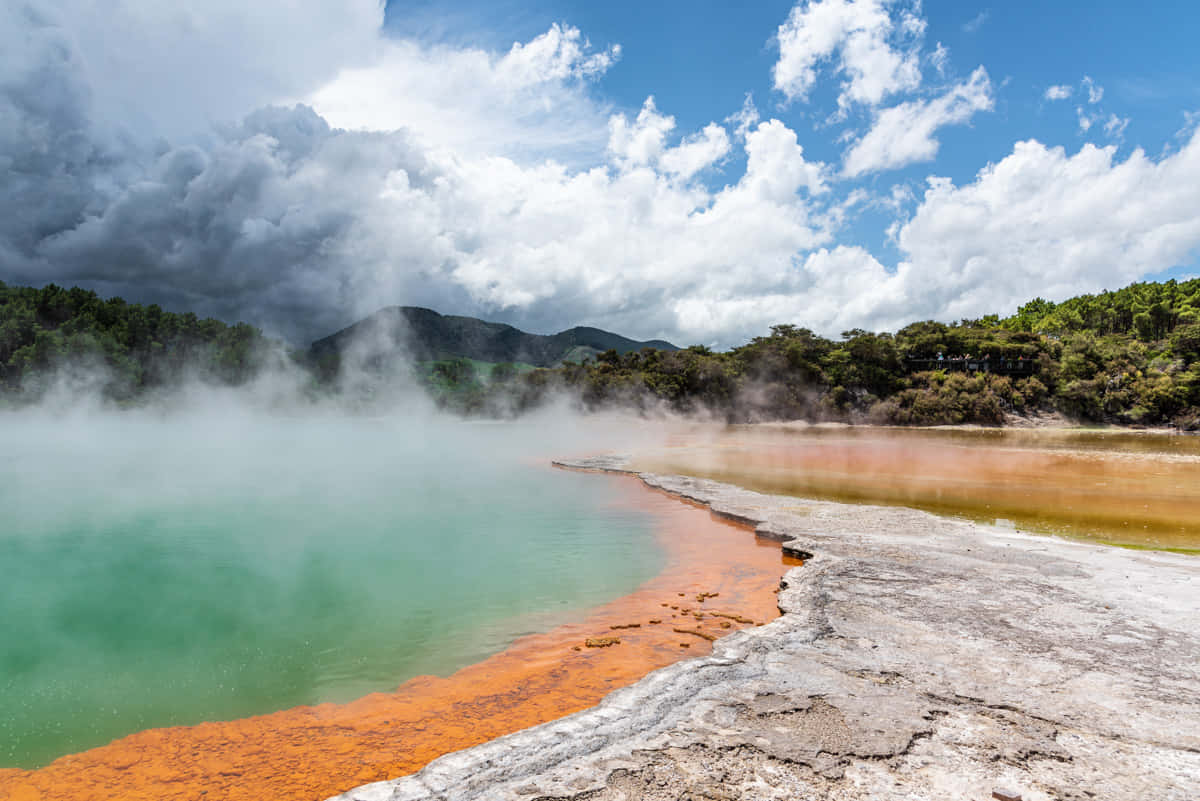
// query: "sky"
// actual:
[[696, 172]]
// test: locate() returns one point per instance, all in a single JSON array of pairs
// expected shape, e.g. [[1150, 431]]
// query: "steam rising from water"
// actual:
[[216, 560]]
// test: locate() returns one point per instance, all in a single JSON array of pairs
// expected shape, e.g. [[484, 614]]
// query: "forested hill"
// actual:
[[426, 335], [1130, 356]]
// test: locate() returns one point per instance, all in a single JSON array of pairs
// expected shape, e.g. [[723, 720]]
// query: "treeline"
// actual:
[[1131, 357], [130, 349]]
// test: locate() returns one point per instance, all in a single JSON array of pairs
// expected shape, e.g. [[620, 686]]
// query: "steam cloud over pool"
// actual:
[[170, 570]]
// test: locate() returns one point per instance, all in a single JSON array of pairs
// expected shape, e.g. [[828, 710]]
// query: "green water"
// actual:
[[160, 572]]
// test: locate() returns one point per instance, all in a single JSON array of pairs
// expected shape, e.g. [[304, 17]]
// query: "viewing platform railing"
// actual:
[[973, 365]]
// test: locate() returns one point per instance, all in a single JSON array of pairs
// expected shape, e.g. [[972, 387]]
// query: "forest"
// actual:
[[1130, 357], [126, 350]]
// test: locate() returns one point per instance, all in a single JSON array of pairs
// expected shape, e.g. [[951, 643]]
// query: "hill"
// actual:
[[1129, 356], [426, 336]]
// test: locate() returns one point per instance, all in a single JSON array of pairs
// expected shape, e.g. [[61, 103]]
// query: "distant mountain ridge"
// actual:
[[430, 336]]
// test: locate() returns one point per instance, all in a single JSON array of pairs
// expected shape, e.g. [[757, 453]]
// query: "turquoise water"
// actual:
[[164, 571]]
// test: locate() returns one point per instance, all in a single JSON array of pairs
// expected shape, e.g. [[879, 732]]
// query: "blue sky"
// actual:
[[700, 59], [302, 163]]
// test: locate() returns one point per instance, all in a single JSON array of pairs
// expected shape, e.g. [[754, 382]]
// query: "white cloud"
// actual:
[[627, 249], [1086, 121], [912, 24], [776, 165], [641, 142], [1191, 121], [558, 54], [172, 69], [1058, 92], [903, 134], [939, 58], [444, 195], [745, 118], [697, 152], [900, 196], [975, 23], [1115, 126], [525, 102], [1042, 222], [1027, 226], [878, 55], [287, 222], [830, 290]]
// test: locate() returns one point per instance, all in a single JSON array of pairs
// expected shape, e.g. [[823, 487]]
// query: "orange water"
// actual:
[[1139, 490]]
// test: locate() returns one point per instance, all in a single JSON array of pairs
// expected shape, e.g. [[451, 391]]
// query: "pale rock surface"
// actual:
[[917, 657]]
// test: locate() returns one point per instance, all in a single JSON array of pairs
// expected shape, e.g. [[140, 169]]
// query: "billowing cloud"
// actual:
[[289, 222], [776, 166], [525, 102], [1042, 222], [695, 153], [904, 134], [641, 141], [171, 69], [878, 53], [261, 224], [830, 290], [635, 243], [548, 209], [1057, 92], [1038, 223]]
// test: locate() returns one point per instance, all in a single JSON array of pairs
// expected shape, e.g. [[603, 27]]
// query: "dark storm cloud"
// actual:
[[51, 163], [252, 223], [111, 181], [249, 221]]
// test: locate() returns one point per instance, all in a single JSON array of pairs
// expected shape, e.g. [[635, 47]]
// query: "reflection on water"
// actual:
[[1126, 488]]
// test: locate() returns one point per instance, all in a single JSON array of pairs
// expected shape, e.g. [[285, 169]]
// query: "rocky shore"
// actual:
[[917, 657]]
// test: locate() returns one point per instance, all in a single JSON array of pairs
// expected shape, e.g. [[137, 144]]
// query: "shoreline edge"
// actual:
[[916, 657]]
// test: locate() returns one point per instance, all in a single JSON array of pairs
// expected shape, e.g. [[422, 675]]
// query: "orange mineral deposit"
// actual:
[[311, 753]]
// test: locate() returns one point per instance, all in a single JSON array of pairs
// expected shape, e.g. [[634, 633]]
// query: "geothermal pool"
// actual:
[[1135, 489], [165, 571]]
